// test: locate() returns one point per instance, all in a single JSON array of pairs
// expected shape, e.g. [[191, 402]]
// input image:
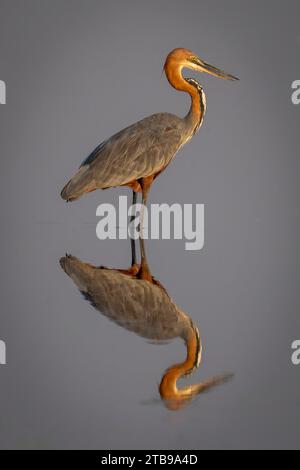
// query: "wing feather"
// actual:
[[140, 150]]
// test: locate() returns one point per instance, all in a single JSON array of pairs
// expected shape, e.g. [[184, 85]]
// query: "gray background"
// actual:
[[76, 72]]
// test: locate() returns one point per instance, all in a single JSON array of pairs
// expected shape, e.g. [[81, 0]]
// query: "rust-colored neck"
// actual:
[[175, 398], [173, 72], [168, 386]]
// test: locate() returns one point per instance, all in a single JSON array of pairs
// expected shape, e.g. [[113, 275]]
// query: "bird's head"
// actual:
[[184, 58]]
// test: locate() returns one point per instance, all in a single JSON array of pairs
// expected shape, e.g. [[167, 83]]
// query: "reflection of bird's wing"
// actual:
[[140, 150], [135, 304]]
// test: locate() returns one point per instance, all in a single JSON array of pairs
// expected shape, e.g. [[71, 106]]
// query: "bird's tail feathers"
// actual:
[[82, 182]]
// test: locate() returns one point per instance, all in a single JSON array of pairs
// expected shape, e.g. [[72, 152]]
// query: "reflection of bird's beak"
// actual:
[[204, 67]]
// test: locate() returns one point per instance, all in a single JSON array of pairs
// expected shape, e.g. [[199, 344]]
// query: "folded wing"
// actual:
[[140, 150]]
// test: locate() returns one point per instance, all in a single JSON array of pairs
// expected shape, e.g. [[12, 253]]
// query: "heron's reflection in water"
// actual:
[[145, 308]]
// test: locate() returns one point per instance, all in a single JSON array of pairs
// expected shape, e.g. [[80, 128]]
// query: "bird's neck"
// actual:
[[195, 116], [168, 386]]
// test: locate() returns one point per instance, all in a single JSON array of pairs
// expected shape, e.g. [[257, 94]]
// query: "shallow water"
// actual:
[[75, 379]]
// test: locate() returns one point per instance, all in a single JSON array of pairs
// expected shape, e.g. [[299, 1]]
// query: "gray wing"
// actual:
[[140, 150]]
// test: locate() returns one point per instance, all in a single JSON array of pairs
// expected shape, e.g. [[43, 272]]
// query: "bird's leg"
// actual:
[[144, 272], [145, 185], [132, 240]]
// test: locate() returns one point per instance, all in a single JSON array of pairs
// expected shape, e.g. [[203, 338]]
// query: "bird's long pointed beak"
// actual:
[[216, 72]]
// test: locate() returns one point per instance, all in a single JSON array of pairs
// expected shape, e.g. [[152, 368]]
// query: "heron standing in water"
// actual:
[[136, 155]]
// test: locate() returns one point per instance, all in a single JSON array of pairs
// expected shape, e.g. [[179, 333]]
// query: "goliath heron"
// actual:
[[136, 155], [145, 308]]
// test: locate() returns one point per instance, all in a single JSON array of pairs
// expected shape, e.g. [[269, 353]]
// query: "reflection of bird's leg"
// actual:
[[132, 240], [144, 270]]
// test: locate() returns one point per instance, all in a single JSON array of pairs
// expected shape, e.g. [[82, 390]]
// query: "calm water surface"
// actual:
[[88, 370]]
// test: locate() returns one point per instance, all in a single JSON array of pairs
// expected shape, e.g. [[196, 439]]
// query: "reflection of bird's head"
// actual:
[[184, 395], [184, 58]]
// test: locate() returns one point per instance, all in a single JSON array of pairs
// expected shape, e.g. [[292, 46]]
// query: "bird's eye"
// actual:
[[194, 60]]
